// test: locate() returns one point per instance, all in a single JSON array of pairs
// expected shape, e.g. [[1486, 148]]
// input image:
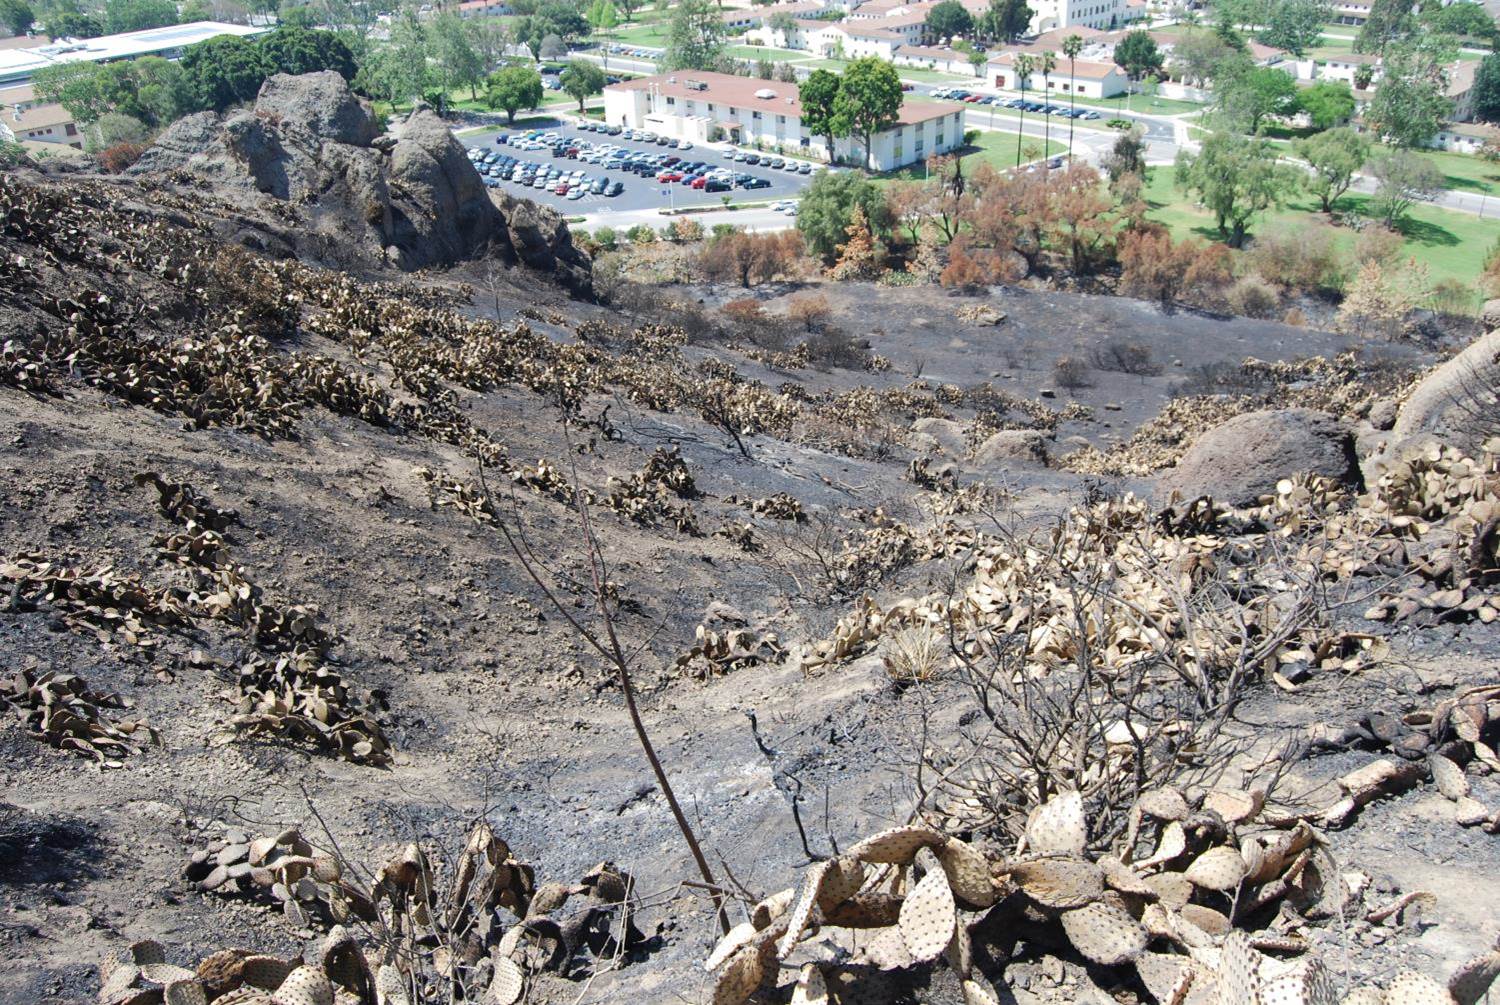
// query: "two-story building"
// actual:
[[704, 107]]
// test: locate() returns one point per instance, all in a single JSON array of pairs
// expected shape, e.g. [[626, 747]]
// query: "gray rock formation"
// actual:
[[1011, 447], [946, 434], [411, 197], [1458, 403], [1242, 459]]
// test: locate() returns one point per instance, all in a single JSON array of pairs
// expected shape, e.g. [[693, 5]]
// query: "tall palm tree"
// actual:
[[1025, 65], [1047, 63], [1072, 46]]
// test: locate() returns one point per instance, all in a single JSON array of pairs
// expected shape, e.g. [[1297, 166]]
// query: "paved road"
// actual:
[[641, 194]]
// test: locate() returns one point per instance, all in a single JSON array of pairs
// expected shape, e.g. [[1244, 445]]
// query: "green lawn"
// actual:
[[1149, 105], [998, 149], [1465, 171], [653, 35], [767, 53], [1452, 245]]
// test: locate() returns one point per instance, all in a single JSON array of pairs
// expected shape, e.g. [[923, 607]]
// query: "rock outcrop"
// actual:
[[1243, 458], [1010, 447], [1459, 402], [410, 197]]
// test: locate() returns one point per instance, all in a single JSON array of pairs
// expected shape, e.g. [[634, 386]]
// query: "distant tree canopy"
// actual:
[[17, 16], [211, 75], [949, 19]]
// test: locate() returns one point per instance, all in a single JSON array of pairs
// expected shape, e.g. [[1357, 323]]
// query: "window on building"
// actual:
[[755, 116], [710, 106], [781, 120], [671, 100]]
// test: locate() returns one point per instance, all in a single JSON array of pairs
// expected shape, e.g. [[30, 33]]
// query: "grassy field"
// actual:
[[767, 53], [1149, 105], [654, 35], [998, 149], [1452, 245], [1465, 172], [905, 72]]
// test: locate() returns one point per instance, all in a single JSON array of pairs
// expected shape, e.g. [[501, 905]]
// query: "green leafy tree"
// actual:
[[817, 95], [513, 88], [224, 71], [869, 100], [1295, 25], [1389, 22], [695, 38], [138, 15], [113, 128], [399, 69], [552, 47], [1004, 20], [79, 87], [452, 49], [603, 17], [1242, 15], [630, 7], [1235, 178], [302, 50], [1462, 19], [68, 19], [1198, 54], [490, 38], [1402, 177], [1335, 156], [1411, 103], [17, 15], [1138, 55], [1245, 97], [949, 19], [827, 207], [1127, 156], [1487, 89], [582, 79], [1328, 103]]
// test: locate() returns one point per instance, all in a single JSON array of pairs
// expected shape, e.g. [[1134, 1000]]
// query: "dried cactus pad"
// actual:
[[807, 899], [968, 873], [739, 979], [1471, 981], [507, 984], [1060, 883], [1057, 827], [1220, 868], [1449, 777], [1164, 804], [304, 986], [1104, 933], [184, 993], [1234, 805], [976, 993], [1305, 982], [842, 880], [811, 989], [733, 941], [897, 846], [927, 917], [1411, 988]]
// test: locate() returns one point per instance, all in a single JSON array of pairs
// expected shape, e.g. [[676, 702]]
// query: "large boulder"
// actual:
[[345, 194], [946, 434], [1242, 459], [1012, 447], [1458, 403], [321, 103]]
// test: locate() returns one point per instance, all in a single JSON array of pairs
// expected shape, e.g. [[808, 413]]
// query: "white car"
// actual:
[[686, 145], [576, 192]]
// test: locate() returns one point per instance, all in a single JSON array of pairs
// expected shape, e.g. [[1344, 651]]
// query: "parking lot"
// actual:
[[639, 192]]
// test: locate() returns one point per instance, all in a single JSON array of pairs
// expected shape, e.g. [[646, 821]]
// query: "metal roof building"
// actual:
[[18, 65]]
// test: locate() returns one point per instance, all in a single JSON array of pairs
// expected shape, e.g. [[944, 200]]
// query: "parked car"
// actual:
[[614, 189], [804, 168], [716, 185]]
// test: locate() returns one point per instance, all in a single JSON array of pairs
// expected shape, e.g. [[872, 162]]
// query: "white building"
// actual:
[[702, 107], [1084, 79], [17, 65], [1100, 14]]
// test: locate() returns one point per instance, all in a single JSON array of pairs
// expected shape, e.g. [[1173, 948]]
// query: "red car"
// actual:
[[669, 176], [699, 182], [973, 98], [561, 189]]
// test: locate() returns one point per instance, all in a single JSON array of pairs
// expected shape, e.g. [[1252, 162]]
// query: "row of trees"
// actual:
[[147, 93], [70, 18], [1001, 21]]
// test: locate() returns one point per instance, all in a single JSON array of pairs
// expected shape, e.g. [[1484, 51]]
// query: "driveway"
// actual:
[[640, 194]]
